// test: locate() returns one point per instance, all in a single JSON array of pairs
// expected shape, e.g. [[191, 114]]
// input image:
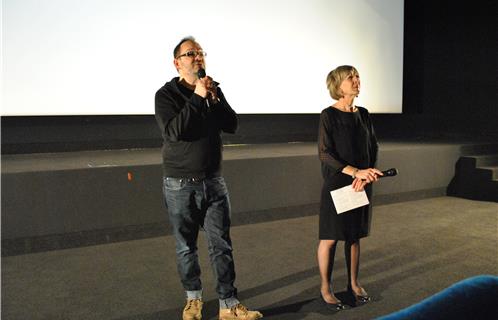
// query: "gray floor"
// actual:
[[416, 249]]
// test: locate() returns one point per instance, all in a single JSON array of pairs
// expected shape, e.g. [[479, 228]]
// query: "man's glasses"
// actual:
[[193, 54]]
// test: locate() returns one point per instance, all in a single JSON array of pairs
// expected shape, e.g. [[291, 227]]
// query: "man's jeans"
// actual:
[[193, 204]]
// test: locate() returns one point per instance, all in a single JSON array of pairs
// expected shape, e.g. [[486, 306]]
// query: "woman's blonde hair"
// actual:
[[336, 77]]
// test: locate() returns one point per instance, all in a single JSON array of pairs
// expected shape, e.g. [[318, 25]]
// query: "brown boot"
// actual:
[[239, 312], [193, 310]]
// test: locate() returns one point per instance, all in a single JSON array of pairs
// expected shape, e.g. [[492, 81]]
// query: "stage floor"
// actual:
[[63, 200], [15, 163]]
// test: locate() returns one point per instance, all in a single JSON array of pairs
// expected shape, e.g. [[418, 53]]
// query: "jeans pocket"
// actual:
[[174, 184], [218, 186]]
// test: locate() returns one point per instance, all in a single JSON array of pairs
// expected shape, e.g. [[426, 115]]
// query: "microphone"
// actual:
[[201, 73], [389, 173]]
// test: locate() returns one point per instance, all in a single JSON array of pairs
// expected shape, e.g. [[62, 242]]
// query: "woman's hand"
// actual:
[[368, 175], [359, 184], [362, 177]]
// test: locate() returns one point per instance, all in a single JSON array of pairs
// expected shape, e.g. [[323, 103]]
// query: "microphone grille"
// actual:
[[201, 73]]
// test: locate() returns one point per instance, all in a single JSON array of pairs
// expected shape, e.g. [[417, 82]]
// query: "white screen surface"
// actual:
[[106, 57]]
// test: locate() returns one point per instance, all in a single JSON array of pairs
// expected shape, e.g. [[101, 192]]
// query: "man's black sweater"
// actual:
[[191, 131]]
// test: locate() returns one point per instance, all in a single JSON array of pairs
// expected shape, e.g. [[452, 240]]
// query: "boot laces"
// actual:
[[239, 309], [190, 303]]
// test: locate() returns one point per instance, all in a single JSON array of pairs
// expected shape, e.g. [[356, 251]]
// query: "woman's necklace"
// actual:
[[346, 108]]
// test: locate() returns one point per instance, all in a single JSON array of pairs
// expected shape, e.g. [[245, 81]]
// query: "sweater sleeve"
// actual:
[[224, 115], [176, 118], [374, 145], [326, 148]]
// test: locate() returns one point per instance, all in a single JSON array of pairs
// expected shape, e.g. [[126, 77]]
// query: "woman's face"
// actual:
[[351, 85]]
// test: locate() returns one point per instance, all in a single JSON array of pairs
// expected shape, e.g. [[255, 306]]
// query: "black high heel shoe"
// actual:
[[332, 306], [359, 298]]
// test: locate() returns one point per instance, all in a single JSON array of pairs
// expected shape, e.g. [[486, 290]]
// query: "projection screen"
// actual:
[[109, 57]]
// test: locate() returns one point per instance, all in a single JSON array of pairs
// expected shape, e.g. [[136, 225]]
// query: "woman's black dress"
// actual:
[[344, 138]]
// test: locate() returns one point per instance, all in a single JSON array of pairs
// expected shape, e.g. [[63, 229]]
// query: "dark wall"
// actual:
[[460, 58], [450, 79], [72, 133], [449, 92]]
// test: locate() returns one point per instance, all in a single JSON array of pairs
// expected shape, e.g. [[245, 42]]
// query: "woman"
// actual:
[[347, 148]]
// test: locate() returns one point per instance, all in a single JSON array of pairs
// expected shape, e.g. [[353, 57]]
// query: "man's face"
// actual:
[[190, 59]]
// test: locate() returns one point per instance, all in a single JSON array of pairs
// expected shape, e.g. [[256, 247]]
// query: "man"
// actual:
[[191, 112]]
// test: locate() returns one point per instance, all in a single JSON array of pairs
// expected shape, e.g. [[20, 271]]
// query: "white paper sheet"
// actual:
[[346, 198]]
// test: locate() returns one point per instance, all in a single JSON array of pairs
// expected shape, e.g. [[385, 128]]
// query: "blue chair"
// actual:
[[472, 298]]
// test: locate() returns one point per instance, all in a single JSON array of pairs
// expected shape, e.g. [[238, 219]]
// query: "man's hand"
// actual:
[[206, 88]]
